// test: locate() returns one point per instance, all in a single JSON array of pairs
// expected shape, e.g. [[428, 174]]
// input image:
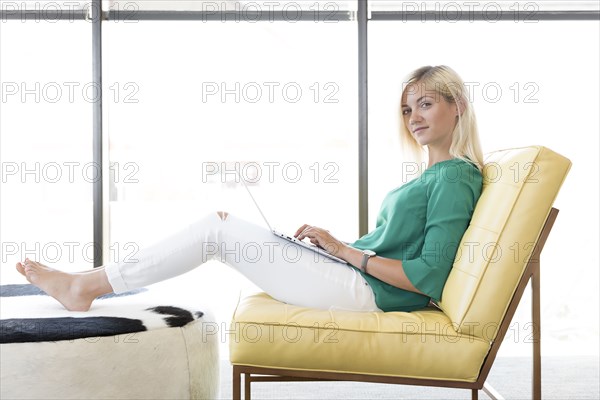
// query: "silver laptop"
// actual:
[[291, 238]]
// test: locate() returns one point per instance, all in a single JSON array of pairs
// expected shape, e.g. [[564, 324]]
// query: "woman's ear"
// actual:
[[460, 106]]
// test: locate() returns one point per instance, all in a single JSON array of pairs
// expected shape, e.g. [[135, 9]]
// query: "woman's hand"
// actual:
[[322, 238]]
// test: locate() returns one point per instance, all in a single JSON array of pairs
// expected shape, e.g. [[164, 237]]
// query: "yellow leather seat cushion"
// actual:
[[268, 333]]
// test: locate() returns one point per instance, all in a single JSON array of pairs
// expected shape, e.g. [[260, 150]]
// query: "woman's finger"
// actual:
[[300, 230]]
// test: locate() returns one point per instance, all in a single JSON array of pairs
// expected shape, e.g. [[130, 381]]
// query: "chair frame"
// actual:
[[532, 272]]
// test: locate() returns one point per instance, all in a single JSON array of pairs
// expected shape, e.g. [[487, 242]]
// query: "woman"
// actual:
[[399, 266]]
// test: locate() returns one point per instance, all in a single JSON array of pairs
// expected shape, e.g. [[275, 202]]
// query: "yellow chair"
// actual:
[[451, 345]]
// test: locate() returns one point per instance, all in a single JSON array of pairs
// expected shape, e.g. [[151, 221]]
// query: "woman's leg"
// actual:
[[285, 271], [77, 291]]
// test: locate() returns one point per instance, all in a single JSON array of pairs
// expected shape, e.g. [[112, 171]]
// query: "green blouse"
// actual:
[[422, 223]]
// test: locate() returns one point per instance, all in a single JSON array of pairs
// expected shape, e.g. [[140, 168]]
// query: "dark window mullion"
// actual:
[[491, 15], [96, 17]]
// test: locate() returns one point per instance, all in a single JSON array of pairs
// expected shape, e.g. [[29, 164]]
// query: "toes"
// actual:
[[30, 275], [21, 268], [33, 263], [30, 265], [27, 266], [38, 265]]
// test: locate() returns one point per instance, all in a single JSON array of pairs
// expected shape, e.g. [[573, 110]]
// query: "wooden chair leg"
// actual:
[[236, 392], [247, 382], [474, 394], [537, 332]]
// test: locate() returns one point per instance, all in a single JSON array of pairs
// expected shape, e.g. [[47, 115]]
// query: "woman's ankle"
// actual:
[[93, 284]]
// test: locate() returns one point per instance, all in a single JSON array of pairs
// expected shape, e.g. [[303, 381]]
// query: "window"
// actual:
[[195, 98], [46, 143]]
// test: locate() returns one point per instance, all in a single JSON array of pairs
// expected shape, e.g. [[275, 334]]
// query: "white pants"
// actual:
[[284, 270]]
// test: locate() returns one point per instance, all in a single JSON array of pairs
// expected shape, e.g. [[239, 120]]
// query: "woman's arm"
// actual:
[[387, 270]]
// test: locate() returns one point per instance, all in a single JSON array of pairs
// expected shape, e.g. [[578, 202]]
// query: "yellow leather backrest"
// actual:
[[519, 188]]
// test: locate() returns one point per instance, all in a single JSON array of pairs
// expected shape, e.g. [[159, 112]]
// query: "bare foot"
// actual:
[[68, 289]]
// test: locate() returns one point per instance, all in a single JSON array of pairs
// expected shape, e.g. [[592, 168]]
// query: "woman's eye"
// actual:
[[405, 111], [425, 104]]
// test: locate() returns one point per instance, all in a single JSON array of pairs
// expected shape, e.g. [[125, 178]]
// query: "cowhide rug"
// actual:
[[27, 314]]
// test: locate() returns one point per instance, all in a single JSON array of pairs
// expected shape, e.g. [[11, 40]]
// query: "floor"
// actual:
[[565, 378]]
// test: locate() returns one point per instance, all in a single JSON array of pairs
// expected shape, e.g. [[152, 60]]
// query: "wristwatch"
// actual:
[[366, 255]]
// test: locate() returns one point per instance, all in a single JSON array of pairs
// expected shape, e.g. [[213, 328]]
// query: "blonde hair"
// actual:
[[465, 137]]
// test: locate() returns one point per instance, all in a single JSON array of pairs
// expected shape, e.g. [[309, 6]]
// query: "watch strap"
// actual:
[[365, 260]]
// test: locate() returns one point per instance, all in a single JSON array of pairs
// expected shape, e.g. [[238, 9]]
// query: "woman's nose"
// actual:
[[414, 118]]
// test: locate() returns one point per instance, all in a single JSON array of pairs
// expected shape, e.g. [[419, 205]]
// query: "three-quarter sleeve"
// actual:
[[451, 198]]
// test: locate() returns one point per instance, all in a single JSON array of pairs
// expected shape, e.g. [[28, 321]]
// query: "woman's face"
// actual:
[[428, 116]]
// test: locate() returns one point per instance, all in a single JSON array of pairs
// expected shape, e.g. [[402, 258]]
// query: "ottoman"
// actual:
[[128, 346]]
